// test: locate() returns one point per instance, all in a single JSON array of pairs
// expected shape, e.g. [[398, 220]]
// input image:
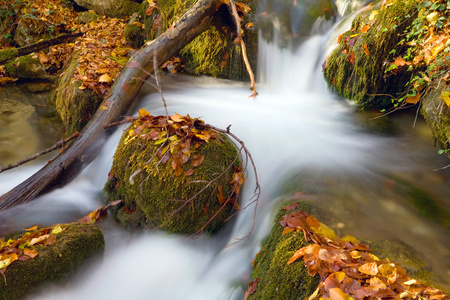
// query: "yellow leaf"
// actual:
[[433, 18], [339, 276], [7, 259], [337, 294], [143, 113], [435, 51], [57, 230], [373, 14], [446, 97], [105, 78]]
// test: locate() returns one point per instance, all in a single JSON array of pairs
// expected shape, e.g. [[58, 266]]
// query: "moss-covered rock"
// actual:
[[277, 279], [213, 52], [71, 249], [356, 68], [75, 106], [155, 197], [111, 8], [88, 16], [134, 34], [26, 67], [437, 115], [7, 54], [29, 32]]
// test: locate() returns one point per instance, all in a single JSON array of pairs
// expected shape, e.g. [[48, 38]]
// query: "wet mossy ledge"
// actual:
[[278, 271], [68, 252], [356, 68], [274, 278], [173, 183]]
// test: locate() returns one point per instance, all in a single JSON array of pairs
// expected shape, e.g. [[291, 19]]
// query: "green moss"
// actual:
[[26, 67], [88, 16], [74, 106], [363, 81], [277, 280], [134, 34], [437, 115], [7, 54], [55, 262], [150, 201]]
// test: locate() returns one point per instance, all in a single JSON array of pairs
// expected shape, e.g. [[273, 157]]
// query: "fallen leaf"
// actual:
[[251, 288], [369, 269], [446, 97], [337, 294], [413, 99], [30, 252], [366, 50], [105, 78]]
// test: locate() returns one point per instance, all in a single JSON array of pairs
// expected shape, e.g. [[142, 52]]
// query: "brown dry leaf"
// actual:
[[351, 57], [251, 288], [197, 160], [220, 196], [30, 252], [399, 61], [34, 241]]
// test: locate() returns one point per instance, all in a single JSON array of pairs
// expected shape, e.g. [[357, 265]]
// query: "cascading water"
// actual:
[[299, 135]]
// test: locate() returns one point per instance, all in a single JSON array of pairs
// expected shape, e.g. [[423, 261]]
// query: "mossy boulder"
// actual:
[[155, 197], [75, 106], [26, 67], [29, 32], [356, 68], [73, 246], [213, 53], [276, 279], [88, 17], [111, 8], [437, 115], [7, 54]]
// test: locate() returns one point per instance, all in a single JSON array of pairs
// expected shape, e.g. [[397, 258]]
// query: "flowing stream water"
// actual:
[[370, 177]]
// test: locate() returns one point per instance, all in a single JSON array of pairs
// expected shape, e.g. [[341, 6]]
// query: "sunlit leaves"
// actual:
[[348, 270]]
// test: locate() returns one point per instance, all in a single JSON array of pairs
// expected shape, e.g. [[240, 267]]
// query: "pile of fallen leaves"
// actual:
[[23, 248], [347, 268], [177, 137], [102, 52], [428, 49]]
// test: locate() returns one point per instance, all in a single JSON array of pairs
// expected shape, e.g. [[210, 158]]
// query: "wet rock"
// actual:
[[26, 67], [75, 106], [276, 279], [69, 252], [156, 198], [112, 8]]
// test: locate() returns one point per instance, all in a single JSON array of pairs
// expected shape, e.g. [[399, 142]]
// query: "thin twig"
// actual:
[[237, 20], [59, 144]]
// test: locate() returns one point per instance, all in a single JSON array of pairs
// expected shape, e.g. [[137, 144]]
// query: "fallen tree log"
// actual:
[[8, 54], [84, 149]]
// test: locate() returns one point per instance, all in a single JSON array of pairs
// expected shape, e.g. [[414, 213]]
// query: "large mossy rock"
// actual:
[[75, 106], [437, 115], [110, 8], [155, 197], [276, 279], [213, 53], [26, 67], [73, 246], [356, 68]]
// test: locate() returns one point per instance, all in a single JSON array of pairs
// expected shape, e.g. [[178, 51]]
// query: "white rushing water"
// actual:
[[295, 124]]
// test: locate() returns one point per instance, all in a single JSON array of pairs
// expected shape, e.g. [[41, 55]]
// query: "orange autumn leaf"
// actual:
[[337, 294], [365, 28], [220, 196], [413, 99], [351, 57], [369, 269], [366, 50]]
